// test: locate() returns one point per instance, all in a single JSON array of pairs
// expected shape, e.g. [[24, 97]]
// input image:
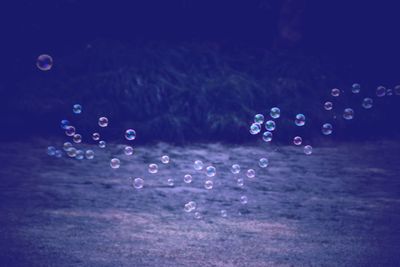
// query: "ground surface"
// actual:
[[337, 207]]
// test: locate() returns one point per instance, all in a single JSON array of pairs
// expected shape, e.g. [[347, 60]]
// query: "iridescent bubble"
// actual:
[[197, 215], [355, 88], [308, 150], [89, 154], [44, 62], [367, 103], [71, 152], [235, 169], [96, 136], [327, 128], [208, 184], [300, 120], [102, 144], [198, 165], [381, 91], [187, 178], [243, 200], [270, 125], [211, 171], [58, 153], [165, 159], [80, 154], [153, 168], [240, 182], [251, 173], [335, 92], [51, 150], [297, 140], [70, 130], [397, 89], [259, 119], [138, 183], [263, 163], [328, 105], [77, 138], [255, 128], [224, 214], [64, 124], [103, 122], [267, 136], [115, 163], [275, 113], [170, 182], [348, 114], [77, 109], [130, 134], [128, 150], [66, 146]]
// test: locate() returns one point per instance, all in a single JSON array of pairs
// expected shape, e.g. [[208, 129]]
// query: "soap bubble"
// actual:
[[300, 120], [275, 113], [211, 171], [259, 118], [187, 178], [198, 165], [197, 215], [327, 128], [187, 207], [71, 152], [128, 150], [115, 163], [95, 136], [208, 184], [70, 130], [263, 163], [335, 92], [138, 183], [397, 89], [102, 144], [170, 182], [165, 159], [44, 62], [381, 91], [64, 124], [367, 103], [192, 204], [240, 182], [66, 146], [297, 140], [243, 200], [348, 113], [77, 109], [355, 88], [389, 92], [58, 153], [103, 122], [89, 154], [153, 168], [80, 154], [267, 136], [130, 134], [235, 169], [270, 125], [51, 150], [224, 214], [307, 150], [255, 128], [77, 138], [251, 173], [328, 105]]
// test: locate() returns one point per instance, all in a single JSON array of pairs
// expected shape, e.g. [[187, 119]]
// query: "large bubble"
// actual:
[[348, 113], [300, 120], [327, 128], [44, 62]]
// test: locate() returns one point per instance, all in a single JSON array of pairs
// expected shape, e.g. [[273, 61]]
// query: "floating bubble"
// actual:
[[115, 163], [367, 103], [275, 113], [335, 92], [66, 146], [153, 168], [71, 152], [259, 119], [300, 120], [102, 144], [58, 153], [235, 169], [170, 182], [130, 134], [44, 62], [187, 207], [197, 215], [389, 92], [348, 114], [96, 136], [263, 163], [198, 165], [80, 154], [211, 171], [64, 124], [187, 178], [208, 184], [327, 128], [240, 182], [89, 154], [103, 122], [267, 136], [243, 200], [381, 91], [355, 88], [128, 150], [165, 159], [297, 140], [192, 204], [70, 130], [397, 89], [308, 150], [51, 150], [224, 214], [138, 183], [251, 173], [328, 105], [77, 109], [77, 138], [255, 128], [270, 125]]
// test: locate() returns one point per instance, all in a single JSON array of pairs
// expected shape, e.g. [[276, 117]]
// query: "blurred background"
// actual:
[[186, 71]]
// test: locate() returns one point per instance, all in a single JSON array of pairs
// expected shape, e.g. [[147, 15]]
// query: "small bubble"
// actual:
[[355, 88], [130, 134], [51, 150], [44, 62], [80, 154], [327, 128], [211, 171], [71, 152], [103, 122], [77, 109], [255, 128], [77, 138], [66, 146], [397, 89], [308, 150], [259, 119], [197, 215], [192, 204], [96, 136], [267, 136], [58, 153], [335, 92], [187, 207], [367, 103], [251, 173], [165, 159], [70, 130], [208, 184], [243, 200], [224, 214], [187, 178], [64, 124], [348, 114], [89, 154], [270, 125], [381, 91], [263, 163], [198, 165], [128, 150], [102, 144], [235, 169], [153, 168], [275, 113], [240, 182], [300, 120], [138, 183], [170, 182], [297, 140], [115, 163], [389, 92], [328, 105]]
